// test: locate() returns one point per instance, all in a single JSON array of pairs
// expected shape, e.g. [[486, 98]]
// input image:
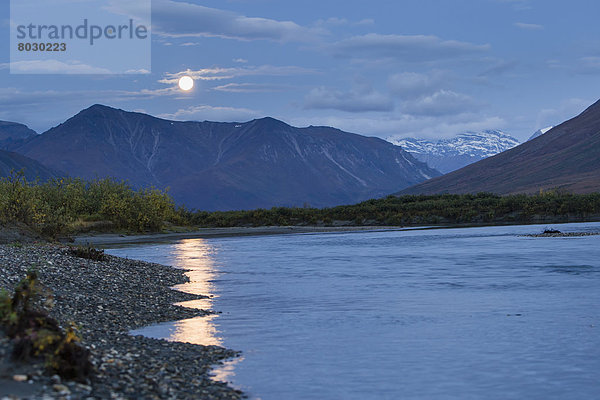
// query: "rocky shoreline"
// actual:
[[107, 299], [563, 234]]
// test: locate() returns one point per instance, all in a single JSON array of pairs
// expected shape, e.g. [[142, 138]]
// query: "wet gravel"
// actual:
[[107, 299], [564, 234]]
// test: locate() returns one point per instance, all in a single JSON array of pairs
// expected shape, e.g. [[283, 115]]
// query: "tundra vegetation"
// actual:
[[24, 318], [70, 205]]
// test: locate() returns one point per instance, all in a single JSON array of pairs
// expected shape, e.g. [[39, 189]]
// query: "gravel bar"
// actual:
[[563, 234], [108, 299]]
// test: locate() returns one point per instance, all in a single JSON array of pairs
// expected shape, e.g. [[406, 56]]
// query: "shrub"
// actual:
[[414, 210], [35, 334], [60, 205], [88, 252]]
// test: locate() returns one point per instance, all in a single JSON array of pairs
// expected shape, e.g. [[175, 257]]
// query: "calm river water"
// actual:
[[431, 314]]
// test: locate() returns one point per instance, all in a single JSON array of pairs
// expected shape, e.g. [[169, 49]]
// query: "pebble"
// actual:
[[20, 378], [61, 389], [107, 300]]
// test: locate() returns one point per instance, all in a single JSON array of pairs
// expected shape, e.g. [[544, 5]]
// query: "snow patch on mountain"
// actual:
[[540, 133]]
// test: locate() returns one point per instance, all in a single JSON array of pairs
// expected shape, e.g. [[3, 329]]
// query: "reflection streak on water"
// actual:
[[226, 371], [196, 256]]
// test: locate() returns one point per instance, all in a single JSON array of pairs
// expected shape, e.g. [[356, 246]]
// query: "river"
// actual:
[[467, 313]]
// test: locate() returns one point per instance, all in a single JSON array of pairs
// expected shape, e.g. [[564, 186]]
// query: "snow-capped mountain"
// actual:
[[565, 157], [447, 155], [540, 133]]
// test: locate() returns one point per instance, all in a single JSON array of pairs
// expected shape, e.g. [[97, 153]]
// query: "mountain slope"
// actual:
[[218, 166], [447, 155], [540, 132], [13, 134], [32, 169], [566, 157]]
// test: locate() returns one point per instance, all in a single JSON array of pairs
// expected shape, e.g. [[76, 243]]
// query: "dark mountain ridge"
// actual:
[[12, 162], [218, 166], [13, 134]]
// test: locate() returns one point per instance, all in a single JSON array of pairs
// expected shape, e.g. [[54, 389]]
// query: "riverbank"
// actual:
[[558, 234], [206, 233], [108, 299], [108, 239]]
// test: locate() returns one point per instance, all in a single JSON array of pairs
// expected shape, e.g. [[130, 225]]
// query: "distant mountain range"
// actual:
[[32, 170], [265, 162], [565, 157], [447, 155], [224, 166], [13, 134]]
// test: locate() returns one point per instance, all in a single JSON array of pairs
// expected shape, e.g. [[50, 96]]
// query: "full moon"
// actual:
[[186, 83]]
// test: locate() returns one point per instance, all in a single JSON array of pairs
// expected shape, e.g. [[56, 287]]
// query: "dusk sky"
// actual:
[[419, 68]]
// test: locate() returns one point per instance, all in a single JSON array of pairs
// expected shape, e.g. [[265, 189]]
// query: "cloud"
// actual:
[[138, 71], [567, 109], [530, 27], [402, 125], [363, 100], [13, 97], [442, 102], [139, 11], [249, 88], [409, 48], [211, 113], [16, 105], [335, 22], [498, 69], [519, 5], [181, 19], [218, 73], [54, 67], [414, 84], [448, 128], [366, 21], [588, 65]]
